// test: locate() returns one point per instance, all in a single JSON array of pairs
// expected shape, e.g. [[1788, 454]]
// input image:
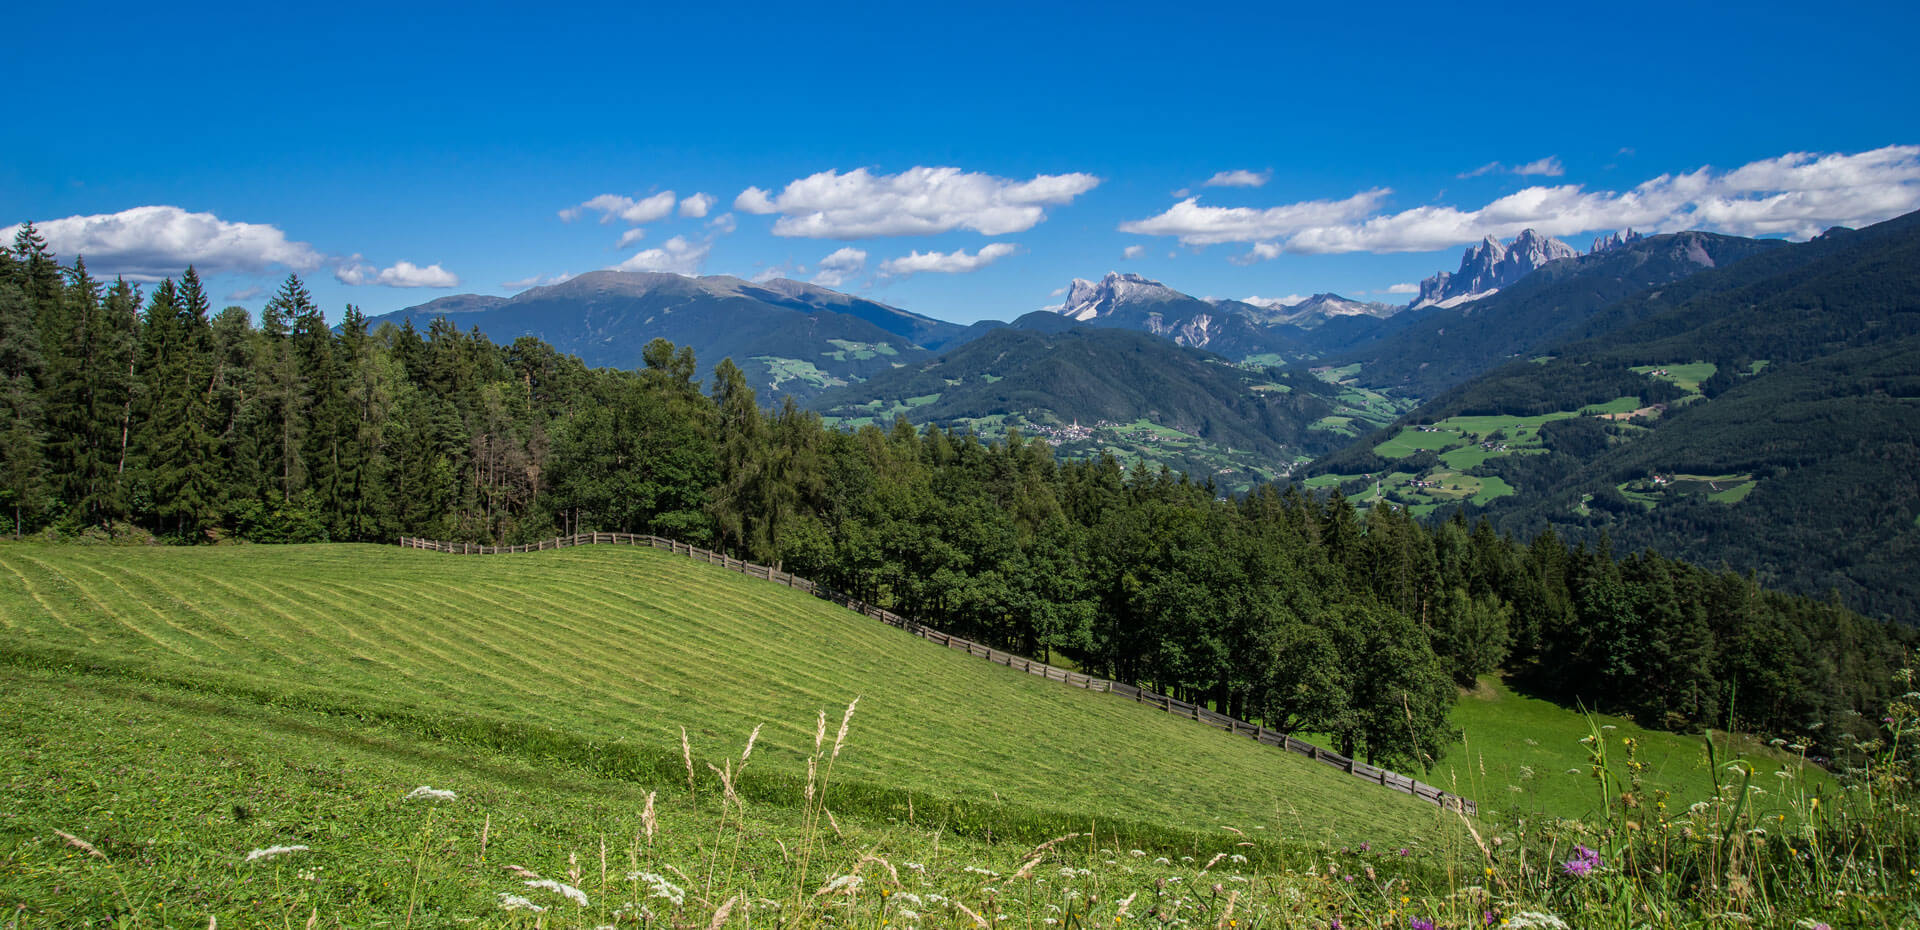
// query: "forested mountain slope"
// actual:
[[1436, 348], [1765, 416]]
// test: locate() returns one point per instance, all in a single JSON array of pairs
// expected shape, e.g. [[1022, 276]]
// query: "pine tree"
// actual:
[[22, 463], [283, 399]]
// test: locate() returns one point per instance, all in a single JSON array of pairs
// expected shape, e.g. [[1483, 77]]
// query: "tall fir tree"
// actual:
[[22, 461]]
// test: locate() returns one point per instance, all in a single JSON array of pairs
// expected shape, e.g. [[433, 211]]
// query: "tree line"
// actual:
[[126, 414]]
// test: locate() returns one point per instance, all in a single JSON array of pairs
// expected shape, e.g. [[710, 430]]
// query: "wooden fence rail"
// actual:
[[1171, 705]]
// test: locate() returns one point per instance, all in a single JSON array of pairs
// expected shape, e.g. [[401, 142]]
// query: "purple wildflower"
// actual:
[[1420, 923], [1403, 850], [1583, 862], [1335, 925], [1365, 846], [1490, 918]]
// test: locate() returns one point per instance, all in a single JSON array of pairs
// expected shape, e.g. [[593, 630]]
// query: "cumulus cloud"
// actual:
[[1198, 225], [954, 262], [697, 205], [630, 237], [1240, 178], [723, 225], [841, 265], [617, 207], [1404, 287], [918, 201], [356, 272], [676, 255], [149, 243], [1549, 167], [1795, 195], [536, 281], [1133, 252], [248, 293]]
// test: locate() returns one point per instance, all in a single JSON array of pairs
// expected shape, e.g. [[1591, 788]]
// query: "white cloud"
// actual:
[[631, 236], [918, 201], [1549, 166], [1272, 302], [248, 293], [1198, 225], [724, 224], [356, 272], [1240, 178], [755, 201], [676, 255], [841, 265], [1404, 287], [1797, 195], [615, 206], [954, 262], [149, 243], [1133, 252], [536, 281], [697, 205]]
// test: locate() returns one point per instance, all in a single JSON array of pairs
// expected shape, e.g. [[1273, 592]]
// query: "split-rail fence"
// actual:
[[1179, 708]]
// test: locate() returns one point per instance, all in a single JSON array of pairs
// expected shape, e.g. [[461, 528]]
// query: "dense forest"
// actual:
[[128, 416]]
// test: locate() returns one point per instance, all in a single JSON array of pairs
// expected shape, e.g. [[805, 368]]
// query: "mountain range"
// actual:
[[789, 337], [1490, 266]]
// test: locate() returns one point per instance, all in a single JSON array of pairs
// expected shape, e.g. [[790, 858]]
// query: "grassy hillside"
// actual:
[[600, 655], [1528, 757], [367, 736]]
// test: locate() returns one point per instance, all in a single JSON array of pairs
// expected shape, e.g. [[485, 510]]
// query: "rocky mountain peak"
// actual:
[[1490, 266], [1615, 240], [1087, 300]]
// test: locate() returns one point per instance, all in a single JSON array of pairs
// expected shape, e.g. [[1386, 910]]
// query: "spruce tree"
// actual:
[[22, 463], [283, 397]]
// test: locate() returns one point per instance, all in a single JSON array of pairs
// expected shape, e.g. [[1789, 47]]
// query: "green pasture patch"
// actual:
[[1686, 375], [1333, 375], [1534, 760], [1412, 439], [1616, 405], [781, 370]]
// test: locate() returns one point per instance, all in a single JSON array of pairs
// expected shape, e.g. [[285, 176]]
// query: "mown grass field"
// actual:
[[606, 652], [235, 736]]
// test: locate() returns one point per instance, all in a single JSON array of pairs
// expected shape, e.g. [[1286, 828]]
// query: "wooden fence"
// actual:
[[1179, 708]]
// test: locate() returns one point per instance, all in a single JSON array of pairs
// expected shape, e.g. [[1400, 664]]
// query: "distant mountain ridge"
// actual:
[[788, 336]]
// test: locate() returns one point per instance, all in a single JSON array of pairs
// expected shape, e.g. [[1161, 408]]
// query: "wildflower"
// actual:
[[514, 902], [1584, 861], [1535, 920], [273, 851], [1420, 923], [1365, 847], [563, 890], [1403, 850], [846, 883], [661, 887], [1237, 858], [424, 793]]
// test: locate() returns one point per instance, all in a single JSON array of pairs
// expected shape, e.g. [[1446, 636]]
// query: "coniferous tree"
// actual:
[[22, 462], [283, 391]]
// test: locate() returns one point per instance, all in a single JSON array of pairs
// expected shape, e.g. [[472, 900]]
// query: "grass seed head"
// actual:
[[81, 844], [840, 740]]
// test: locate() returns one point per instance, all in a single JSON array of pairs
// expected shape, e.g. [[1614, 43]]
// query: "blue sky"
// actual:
[[255, 141]]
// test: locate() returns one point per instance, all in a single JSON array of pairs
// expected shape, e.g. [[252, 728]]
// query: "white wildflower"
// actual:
[[1535, 920], [980, 871], [424, 793], [1237, 858], [908, 897], [846, 883], [905, 914], [563, 890], [1066, 872], [661, 887], [514, 902], [273, 851]]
